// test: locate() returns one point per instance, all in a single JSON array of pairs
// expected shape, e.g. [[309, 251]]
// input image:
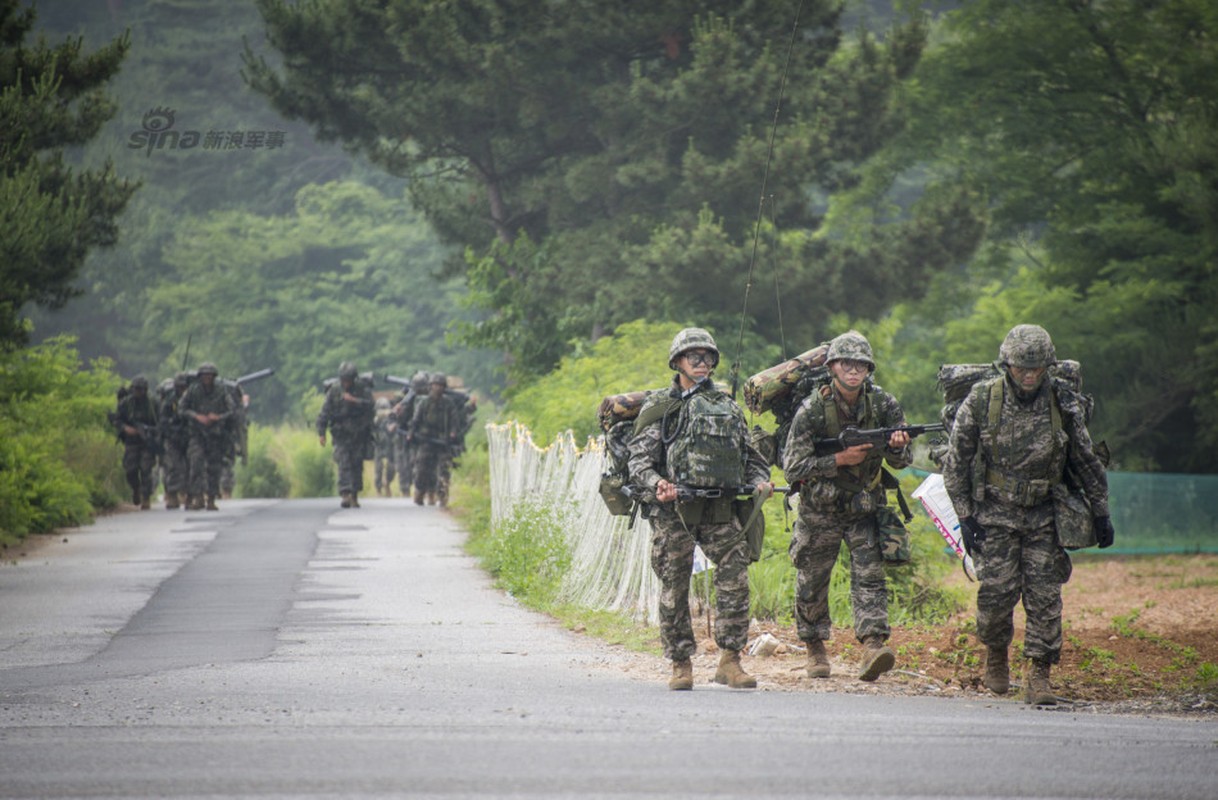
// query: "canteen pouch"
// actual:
[[892, 536]]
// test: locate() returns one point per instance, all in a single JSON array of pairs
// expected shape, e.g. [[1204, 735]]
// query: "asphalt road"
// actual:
[[290, 649]]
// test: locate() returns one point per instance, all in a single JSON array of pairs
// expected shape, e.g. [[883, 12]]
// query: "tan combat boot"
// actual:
[[997, 671], [145, 502], [355, 499], [194, 503], [346, 499], [818, 659], [1037, 692], [211, 503], [682, 679], [171, 501], [877, 658], [731, 673]]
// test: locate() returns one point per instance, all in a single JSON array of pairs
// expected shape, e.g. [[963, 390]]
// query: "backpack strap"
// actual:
[[654, 413]]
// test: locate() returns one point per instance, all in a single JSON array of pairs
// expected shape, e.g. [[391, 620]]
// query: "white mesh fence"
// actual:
[[610, 558]]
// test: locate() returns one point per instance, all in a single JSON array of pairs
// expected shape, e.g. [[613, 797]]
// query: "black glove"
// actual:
[[1104, 534], [973, 534]]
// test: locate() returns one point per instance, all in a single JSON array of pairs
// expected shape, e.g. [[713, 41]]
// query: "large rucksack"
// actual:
[[780, 390], [957, 380], [617, 414]]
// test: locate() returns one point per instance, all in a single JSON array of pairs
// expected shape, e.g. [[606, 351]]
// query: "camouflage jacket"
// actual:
[[348, 421], [437, 419], [1004, 473], [197, 400], [135, 412], [648, 453], [824, 484]]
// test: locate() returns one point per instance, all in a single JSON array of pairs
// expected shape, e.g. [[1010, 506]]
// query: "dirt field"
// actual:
[[1141, 635]]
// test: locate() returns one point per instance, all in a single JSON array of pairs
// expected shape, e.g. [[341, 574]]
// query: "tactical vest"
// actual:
[[1020, 490], [863, 477]]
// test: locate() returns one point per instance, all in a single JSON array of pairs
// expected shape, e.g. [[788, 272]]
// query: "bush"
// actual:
[[262, 476], [58, 457], [529, 554]]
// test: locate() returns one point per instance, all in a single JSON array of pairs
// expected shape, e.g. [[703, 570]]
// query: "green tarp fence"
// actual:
[[1155, 512], [1163, 513]]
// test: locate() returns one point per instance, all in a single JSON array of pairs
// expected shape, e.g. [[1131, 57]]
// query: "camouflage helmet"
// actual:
[[181, 379], [207, 368], [382, 403], [1027, 346], [419, 381], [691, 339], [850, 346], [439, 377], [139, 382], [347, 371]]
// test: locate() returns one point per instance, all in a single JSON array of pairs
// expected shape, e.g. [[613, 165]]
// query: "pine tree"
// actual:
[[52, 215]]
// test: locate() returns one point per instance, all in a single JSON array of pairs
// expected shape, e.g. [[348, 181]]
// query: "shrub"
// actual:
[[57, 453], [262, 475]]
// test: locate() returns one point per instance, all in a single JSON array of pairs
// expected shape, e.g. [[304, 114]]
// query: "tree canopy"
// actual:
[[598, 163], [51, 97]]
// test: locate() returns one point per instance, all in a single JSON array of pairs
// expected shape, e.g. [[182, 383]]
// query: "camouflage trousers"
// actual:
[[672, 560], [139, 465], [176, 466], [402, 462], [205, 453], [815, 544], [349, 456], [433, 465], [1017, 564], [384, 468]]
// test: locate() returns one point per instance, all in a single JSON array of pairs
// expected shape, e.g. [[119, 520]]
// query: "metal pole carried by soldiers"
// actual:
[[691, 456], [1017, 442]]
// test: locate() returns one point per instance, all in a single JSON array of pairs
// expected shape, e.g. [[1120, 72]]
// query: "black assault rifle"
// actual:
[[635, 492], [852, 437]]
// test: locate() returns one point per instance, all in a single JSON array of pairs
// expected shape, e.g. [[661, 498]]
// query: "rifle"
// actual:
[[852, 437], [635, 492]]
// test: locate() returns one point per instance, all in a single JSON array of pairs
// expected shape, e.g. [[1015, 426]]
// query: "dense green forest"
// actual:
[[489, 186]]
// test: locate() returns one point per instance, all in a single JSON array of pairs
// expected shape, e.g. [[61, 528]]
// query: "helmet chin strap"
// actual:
[[697, 382]]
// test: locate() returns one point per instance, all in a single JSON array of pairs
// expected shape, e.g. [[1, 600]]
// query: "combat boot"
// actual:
[[346, 499], [877, 658], [135, 498], [194, 502], [431, 498], [1037, 692], [818, 659], [171, 501], [211, 503], [355, 499], [997, 672], [731, 673], [145, 503], [418, 497], [682, 676]]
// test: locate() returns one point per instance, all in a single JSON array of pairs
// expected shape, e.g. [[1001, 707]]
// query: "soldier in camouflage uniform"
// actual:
[[136, 420], [679, 434], [839, 497], [175, 437], [402, 414], [207, 405], [348, 412], [383, 466], [1011, 443], [435, 433]]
